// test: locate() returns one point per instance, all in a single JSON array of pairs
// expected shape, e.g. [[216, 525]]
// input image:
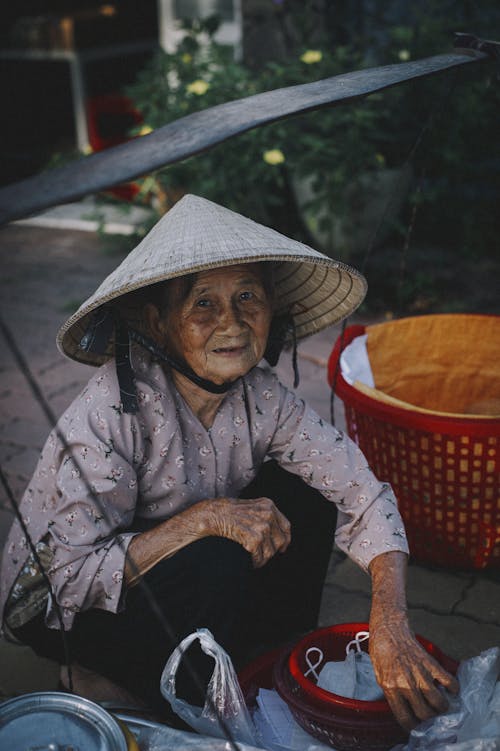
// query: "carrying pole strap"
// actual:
[[200, 131]]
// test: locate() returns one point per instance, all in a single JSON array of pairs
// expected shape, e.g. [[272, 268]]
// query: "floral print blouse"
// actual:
[[104, 475]]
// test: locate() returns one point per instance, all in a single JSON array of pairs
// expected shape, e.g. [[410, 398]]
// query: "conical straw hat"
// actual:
[[196, 235]]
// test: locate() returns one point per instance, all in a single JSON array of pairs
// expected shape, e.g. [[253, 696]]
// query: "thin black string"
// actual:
[[406, 244], [34, 552], [40, 398], [295, 364], [336, 373], [437, 108]]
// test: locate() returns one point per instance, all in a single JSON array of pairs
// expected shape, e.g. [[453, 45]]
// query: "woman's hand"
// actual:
[[409, 676], [254, 523]]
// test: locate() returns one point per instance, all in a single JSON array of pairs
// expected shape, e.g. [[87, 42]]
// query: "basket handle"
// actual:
[[360, 637], [312, 666]]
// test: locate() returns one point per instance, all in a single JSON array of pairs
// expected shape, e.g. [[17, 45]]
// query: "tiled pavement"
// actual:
[[46, 273]]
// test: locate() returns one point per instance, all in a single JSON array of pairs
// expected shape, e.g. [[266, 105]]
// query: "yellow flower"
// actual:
[[404, 55], [186, 58], [273, 156], [380, 159], [198, 87], [311, 56], [144, 130]]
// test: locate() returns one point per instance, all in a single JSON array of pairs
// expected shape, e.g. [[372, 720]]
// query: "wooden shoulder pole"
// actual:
[[200, 131]]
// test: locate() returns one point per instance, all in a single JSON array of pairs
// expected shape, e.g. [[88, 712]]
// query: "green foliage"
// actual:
[[332, 145], [445, 127]]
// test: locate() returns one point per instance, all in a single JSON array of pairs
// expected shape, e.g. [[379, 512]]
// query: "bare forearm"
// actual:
[[388, 573], [254, 523], [406, 672], [149, 548]]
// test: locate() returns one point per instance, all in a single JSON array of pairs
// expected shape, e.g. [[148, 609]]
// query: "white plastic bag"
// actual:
[[355, 363], [472, 722], [224, 702]]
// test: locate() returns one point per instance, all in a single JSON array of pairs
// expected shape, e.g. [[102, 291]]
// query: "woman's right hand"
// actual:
[[254, 523]]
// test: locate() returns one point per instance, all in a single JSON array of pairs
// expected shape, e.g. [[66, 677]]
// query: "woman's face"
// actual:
[[220, 328]]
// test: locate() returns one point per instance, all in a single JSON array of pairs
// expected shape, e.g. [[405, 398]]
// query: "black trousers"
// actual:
[[211, 584]]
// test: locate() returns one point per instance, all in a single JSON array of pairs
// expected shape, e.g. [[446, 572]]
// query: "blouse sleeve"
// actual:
[[368, 521], [96, 488]]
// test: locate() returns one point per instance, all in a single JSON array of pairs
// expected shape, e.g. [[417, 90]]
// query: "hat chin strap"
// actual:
[[104, 321], [179, 366], [96, 338]]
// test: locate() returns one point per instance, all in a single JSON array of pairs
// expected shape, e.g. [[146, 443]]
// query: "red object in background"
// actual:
[[110, 117], [402, 446]]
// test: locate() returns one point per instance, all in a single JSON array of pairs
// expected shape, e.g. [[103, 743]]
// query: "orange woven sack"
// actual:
[[441, 363]]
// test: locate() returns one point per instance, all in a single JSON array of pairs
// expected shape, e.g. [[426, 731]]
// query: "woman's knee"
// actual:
[[210, 564], [222, 559]]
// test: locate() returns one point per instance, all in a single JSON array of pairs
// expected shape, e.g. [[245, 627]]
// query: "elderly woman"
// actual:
[[185, 466]]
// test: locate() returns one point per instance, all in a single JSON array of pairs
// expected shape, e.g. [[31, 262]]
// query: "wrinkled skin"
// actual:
[[408, 675], [256, 524], [220, 329]]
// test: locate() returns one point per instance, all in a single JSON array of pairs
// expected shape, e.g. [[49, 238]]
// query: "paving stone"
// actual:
[[313, 387], [346, 575], [456, 635], [17, 484], [341, 606], [22, 463], [16, 403], [438, 590], [29, 432], [482, 601], [18, 463]]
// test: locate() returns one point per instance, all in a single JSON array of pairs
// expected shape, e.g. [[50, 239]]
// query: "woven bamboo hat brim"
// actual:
[[196, 235]]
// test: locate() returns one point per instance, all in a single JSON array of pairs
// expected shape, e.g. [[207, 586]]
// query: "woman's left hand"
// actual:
[[409, 676]]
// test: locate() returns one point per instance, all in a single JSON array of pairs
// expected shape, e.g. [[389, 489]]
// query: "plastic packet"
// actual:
[[472, 722], [353, 677], [168, 739], [224, 709]]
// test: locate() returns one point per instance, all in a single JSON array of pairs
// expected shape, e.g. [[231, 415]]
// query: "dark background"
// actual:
[[37, 118]]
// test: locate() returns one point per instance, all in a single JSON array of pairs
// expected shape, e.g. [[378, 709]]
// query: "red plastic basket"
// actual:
[[354, 732], [445, 471], [357, 733], [332, 641], [259, 674], [344, 723]]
